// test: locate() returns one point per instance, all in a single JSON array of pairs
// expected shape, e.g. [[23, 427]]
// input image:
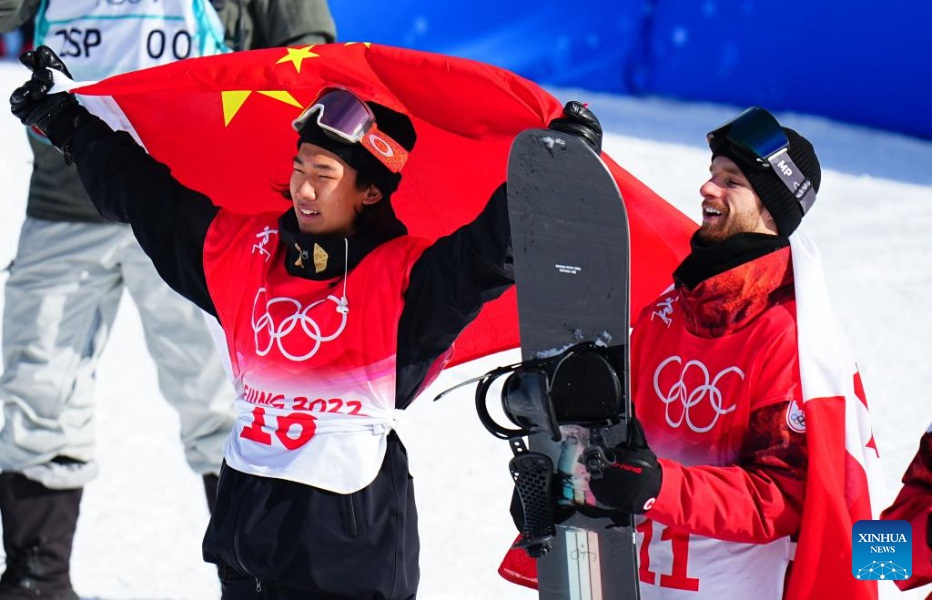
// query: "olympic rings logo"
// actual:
[[796, 417], [689, 398], [278, 333]]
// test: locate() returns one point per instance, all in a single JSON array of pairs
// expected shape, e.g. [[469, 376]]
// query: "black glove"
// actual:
[[631, 477], [579, 120], [54, 115]]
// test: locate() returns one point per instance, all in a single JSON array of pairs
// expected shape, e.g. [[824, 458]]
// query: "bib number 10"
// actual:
[[295, 429], [292, 430]]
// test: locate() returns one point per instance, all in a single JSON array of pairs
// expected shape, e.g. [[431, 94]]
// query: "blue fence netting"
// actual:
[[861, 63], [867, 64]]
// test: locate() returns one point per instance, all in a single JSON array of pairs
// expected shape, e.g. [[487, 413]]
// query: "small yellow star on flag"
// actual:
[[297, 56]]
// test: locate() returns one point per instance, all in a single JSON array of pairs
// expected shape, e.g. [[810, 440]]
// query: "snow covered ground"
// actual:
[[142, 520]]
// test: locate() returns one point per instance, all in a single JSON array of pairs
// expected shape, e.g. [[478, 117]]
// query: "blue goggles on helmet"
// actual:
[[757, 134]]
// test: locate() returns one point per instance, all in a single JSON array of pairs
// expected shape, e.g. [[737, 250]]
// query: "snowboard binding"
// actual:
[[578, 390], [579, 386]]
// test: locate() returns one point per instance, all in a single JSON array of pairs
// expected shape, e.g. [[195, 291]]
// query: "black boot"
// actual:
[[210, 490], [38, 530]]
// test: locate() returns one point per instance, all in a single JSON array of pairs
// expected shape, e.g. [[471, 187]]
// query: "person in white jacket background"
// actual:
[[71, 268]]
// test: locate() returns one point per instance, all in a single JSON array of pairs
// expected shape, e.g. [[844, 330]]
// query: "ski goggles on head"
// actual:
[[755, 132], [344, 116]]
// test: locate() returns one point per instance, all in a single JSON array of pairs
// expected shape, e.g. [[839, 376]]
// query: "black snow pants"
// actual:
[[279, 540]]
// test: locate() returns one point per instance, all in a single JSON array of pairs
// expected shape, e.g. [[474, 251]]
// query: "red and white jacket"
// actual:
[[716, 386], [748, 392], [914, 505], [314, 362]]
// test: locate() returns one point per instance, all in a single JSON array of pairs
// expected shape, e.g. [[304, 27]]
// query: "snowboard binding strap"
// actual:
[[578, 386]]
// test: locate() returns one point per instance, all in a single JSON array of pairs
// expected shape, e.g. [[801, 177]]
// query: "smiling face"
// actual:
[[324, 193], [730, 205]]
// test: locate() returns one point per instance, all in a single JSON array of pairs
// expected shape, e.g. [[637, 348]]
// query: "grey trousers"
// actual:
[[60, 303]]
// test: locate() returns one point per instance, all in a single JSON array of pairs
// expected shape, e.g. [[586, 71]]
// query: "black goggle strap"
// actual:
[[793, 178]]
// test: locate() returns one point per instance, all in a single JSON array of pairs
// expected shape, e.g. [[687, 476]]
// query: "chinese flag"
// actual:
[[223, 126]]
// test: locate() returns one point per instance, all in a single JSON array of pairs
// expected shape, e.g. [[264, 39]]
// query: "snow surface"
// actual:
[[142, 519]]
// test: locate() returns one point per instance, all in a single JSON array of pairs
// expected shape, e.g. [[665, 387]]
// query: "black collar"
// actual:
[[322, 257], [709, 259]]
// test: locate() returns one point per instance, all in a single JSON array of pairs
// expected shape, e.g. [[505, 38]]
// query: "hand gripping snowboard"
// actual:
[[570, 241]]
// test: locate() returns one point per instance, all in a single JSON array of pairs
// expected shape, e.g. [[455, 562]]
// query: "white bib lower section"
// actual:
[[678, 566], [330, 444]]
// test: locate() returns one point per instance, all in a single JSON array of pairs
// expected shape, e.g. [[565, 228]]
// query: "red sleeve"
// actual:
[[756, 501], [914, 504]]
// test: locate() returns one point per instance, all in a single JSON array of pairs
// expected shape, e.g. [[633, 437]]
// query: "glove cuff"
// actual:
[[62, 126], [589, 135]]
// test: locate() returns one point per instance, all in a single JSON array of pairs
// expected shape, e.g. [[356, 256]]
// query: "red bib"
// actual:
[[314, 362]]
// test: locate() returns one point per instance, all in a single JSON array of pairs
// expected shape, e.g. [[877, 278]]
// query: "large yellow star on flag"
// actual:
[[296, 56]]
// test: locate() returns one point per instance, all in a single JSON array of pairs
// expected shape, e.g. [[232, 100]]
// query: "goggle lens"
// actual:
[[339, 112], [756, 132]]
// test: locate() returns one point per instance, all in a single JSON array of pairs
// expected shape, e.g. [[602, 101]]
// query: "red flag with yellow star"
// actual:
[[223, 126]]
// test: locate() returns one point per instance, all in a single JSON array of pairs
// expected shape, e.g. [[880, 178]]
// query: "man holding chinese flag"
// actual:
[[335, 319]]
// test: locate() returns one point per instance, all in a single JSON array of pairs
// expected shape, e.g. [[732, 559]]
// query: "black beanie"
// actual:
[[776, 197], [392, 123]]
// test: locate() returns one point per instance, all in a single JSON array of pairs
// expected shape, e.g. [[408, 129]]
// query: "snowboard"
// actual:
[[570, 242]]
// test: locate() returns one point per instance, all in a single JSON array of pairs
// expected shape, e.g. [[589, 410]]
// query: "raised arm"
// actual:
[[449, 284], [462, 271], [124, 182]]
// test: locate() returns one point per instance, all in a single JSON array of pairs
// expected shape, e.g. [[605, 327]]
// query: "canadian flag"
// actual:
[[844, 464]]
